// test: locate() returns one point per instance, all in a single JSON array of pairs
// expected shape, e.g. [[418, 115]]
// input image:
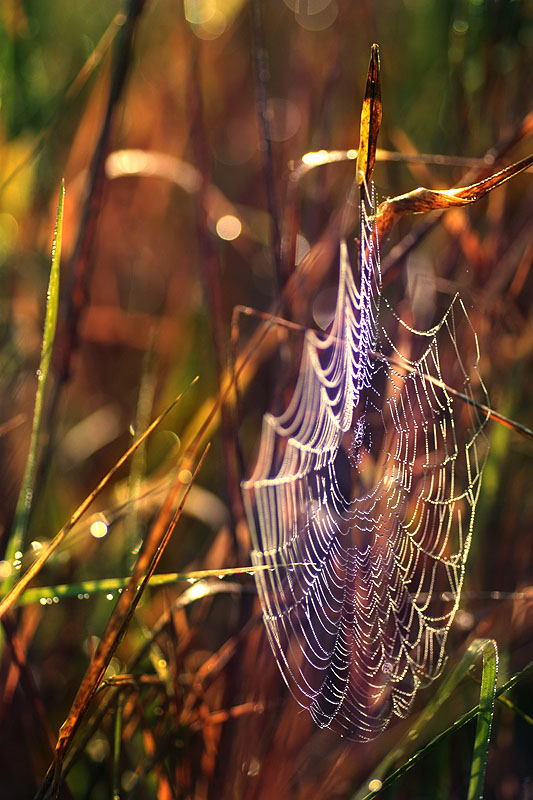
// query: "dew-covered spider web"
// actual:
[[362, 501]]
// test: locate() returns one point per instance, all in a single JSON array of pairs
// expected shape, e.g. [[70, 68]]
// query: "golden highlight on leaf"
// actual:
[[370, 120], [421, 200]]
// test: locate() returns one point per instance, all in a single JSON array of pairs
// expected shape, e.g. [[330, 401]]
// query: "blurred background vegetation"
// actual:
[[183, 235]]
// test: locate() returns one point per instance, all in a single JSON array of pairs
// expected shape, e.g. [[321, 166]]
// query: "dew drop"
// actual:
[[42, 601], [109, 596], [254, 768], [99, 528], [55, 599], [185, 476], [375, 785]]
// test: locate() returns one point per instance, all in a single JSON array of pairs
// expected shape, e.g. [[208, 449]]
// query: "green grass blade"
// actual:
[[46, 595], [484, 721], [17, 541], [415, 736], [117, 739]]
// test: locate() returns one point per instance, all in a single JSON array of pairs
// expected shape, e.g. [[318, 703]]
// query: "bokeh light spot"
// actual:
[[228, 227]]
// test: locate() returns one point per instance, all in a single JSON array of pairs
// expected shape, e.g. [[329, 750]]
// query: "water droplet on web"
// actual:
[[109, 596], [42, 601], [55, 599], [375, 785]]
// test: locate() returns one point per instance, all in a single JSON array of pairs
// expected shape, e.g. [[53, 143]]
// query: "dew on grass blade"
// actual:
[[99, 527]]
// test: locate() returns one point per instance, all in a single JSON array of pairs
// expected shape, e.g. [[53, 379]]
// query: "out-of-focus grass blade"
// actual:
[[477, 650], [484, 721], [22, 513]]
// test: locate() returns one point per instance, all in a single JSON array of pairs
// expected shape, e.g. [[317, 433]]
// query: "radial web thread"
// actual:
[[362, 501]]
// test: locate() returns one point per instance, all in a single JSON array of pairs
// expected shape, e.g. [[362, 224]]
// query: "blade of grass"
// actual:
[[122, 613], [13, 595], [377, 782], [484, 721], [261, 72], [470, 658], [116, 746], [46, 595], [187, 598], [22, 513]]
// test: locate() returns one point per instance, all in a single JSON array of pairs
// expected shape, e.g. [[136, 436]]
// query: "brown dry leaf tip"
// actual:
[[370, 120], [421, 200]]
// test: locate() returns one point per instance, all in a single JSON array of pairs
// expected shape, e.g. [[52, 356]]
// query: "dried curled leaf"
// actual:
[[421, 200]]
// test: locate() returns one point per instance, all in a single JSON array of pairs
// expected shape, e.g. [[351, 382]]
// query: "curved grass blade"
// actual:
[[484, 721], [22, 513], [480, 648], [121, 615]]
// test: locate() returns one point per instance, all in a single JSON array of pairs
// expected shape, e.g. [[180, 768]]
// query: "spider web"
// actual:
[[362, 501]]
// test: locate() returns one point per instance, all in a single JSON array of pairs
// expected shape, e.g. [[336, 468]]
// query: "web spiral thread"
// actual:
[[361, 504]]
